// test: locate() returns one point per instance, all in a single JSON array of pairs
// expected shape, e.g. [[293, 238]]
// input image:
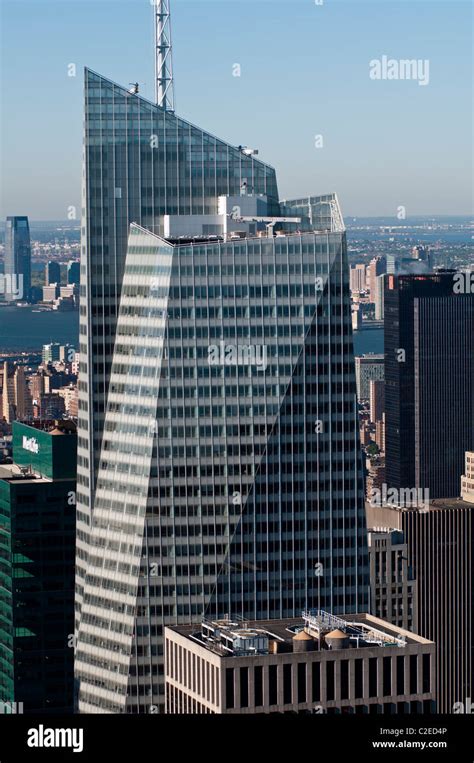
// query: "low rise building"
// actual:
[[315, 664], [50, 292]]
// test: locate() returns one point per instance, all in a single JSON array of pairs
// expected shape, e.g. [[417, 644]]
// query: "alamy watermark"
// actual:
[[11, 708], [400, 497], [463, 283], [400, 69], [12, 285], [223, 354], [464, 707], [51, 737]]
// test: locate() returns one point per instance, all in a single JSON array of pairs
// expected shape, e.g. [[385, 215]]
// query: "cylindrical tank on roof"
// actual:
[[303, 642], [337, 639]]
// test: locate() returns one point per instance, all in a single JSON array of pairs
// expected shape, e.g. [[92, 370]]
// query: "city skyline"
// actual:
[[237, 439], [368, 131]]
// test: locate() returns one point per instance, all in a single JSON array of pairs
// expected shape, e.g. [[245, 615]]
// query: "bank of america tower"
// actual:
[[219, 468]]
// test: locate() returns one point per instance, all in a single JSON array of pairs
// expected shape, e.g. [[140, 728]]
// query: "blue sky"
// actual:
[[304, 72]]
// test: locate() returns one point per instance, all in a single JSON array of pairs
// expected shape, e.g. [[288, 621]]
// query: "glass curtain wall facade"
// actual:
[[218, 412], [140, 162], [37, 546], [17, 282], [429, 406]]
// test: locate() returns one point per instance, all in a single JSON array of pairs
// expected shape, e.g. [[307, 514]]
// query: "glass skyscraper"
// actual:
[[37, 541], [429, 373], [17, 280], [219, 468], [73, 272]]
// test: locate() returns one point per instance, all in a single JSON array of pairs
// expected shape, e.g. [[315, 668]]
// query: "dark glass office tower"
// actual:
[[73, 272], [440, 546], [429, 381], [17, 260], [52, 273], [37, 546], [219, 464]]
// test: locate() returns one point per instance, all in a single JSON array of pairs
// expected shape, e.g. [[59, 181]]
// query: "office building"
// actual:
[[16, 401], [51, 406], [380, 433], [231, 335], [50, 292], [17, 271], [440, 542], [375, 269], [440, 549], [422, 254], [74, 364], [392, 587], [37, 540], [73, 272], [51, 353], [357, 278], [72, 290], [38, 384], [70, 397], [368, 367], [377, 399], [467, 479], [391, 263], [218, 462], [220, 498], [379, 290], [315, 664], [52, 273], [429, 382]]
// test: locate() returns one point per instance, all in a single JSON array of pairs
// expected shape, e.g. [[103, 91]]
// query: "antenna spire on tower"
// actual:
[[163, 56]]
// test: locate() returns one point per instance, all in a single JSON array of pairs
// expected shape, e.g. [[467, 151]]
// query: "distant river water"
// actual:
[[367, 341], [22, 329]]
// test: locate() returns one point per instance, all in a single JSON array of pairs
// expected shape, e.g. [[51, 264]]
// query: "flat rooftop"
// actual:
[[236, 638], [221, 239], [53, 426], [449, 503], [13, 473], [390, 517]]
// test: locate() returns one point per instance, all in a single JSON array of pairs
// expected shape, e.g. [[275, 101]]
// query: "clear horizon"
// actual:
[[347, 217]]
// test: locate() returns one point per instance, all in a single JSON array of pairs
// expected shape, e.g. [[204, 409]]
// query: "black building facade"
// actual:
[[429, 381], [440, 546]]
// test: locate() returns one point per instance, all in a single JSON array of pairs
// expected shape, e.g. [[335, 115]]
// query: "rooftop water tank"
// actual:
[[303, 642], [337, 639]]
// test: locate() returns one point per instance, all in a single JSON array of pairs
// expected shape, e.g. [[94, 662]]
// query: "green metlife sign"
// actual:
[[51, 454]]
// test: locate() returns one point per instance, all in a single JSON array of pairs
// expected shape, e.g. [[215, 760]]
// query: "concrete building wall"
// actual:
[[392, 589], [366, 680]]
